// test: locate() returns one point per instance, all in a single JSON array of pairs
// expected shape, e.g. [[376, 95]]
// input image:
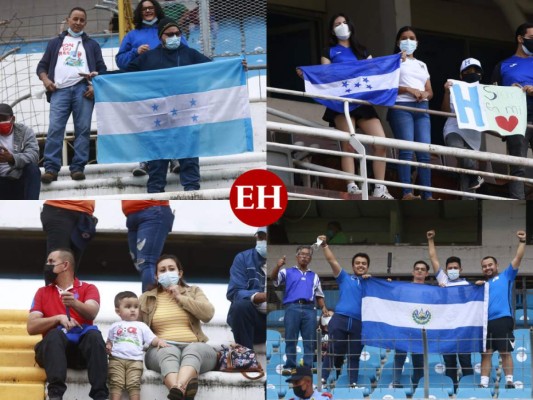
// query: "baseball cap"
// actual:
[[261, 229], [300, 372], [6, 110], [469, 62]]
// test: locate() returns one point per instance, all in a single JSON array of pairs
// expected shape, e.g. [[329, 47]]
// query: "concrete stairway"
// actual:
[[20, 378], [217, 174]]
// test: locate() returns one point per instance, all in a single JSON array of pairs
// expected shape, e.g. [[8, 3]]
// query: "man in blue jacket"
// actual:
[[170, 53], [246, 291], [67, 59]]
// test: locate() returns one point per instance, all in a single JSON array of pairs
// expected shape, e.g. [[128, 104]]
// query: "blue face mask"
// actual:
[[453, 274], [168, 279], [173, 42], [74, 34], [150, 23], [261, 248], [408, 45]]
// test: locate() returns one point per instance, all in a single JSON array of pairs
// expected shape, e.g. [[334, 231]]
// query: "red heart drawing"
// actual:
[[507, 124]]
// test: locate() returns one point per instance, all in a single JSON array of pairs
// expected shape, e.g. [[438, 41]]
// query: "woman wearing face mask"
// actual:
[[173, 310], [344, 47], [414, 91], [469, 72], [139, 40]]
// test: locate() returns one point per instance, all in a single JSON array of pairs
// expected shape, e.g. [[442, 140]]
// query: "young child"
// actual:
[[125, 343]]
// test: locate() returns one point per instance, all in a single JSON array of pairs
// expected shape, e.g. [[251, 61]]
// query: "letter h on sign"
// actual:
[[463, 104]]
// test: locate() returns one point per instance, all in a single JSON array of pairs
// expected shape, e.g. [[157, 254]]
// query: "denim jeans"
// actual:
[[27, 187], [189, 174], [147, 232], [414, 127], [344, 335], [247, 323], [64, 102], [300, 319], [465, 180]]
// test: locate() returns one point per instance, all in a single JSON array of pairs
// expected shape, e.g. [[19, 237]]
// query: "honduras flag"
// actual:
[[375, 80], [394, 314], [193, 111]]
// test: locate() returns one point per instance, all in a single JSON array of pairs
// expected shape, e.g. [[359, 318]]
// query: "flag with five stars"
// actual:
[[375, 80], [199, 110]]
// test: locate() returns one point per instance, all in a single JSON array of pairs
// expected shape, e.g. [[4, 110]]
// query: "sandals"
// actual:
[[178, 393]]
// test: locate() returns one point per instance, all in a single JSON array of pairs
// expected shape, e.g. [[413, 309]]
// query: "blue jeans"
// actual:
[[344, 335], [27, 187], [147, 232], [64, 102], [247, 323], [300, 319], [414, 127], [189, 174]]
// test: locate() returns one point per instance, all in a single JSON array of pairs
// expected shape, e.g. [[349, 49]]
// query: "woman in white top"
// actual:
[[414, 91]]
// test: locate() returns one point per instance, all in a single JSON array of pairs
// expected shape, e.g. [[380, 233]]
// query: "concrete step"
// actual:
[[18, 342], [22, 391], [13, 329], [22, 374], [16, 358], [117, 179], [12, 316]]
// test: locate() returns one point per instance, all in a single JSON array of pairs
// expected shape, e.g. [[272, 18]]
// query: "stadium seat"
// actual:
[[434, 393], [438, 381], [228, 40], [472, 381], [362, 382], [346, 393], [275, 319], [521, 318], [473, 393], [273, 338], [515, 393], [272, 393], [387, 394]]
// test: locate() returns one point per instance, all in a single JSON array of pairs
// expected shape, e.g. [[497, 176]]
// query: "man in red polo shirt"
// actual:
[[68, 303]]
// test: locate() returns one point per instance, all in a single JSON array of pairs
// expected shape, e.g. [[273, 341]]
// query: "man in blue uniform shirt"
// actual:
[[501, 323], [302, 287], [302, 385], [246, 291]]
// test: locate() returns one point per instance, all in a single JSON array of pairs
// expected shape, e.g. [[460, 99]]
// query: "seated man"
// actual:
[[19, 154], [52, 316]]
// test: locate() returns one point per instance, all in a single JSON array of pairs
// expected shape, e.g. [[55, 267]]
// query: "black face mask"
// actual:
[[471, 77], [528, 44], [299, 392], [49, 275]]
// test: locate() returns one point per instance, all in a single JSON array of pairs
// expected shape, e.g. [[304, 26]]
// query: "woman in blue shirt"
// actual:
[[344, 47]]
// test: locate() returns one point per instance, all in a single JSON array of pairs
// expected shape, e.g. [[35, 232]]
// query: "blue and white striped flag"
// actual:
[[199, 110], [375, 80], [394, 314]]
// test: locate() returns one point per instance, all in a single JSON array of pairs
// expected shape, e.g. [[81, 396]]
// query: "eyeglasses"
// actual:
[[147, 9], [420, 269], [172, 34]]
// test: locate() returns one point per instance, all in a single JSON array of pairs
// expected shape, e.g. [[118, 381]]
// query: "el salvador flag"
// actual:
[[375, 80], [394, 314], [199, 110]]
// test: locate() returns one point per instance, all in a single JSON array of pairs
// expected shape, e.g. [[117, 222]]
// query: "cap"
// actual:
[[300, 372], [469, 62], [261, 229], [84, 231], [164, 24], [6, 110]]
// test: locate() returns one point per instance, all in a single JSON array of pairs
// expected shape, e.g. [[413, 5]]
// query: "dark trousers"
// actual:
[[189, 174], [59, 223], [55, 353], [344, 336], [517, 145], [247, 323], [418, 366], [27, 187], [450, 361]]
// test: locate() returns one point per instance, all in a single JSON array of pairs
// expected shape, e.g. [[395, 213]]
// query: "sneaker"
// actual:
[[140, 170], [482, 386], [174, 166], [381, 192], [49, 177], [77, 175], [354, 386], [410, 196], [510, 385], [352, 188], [286, 372], [475, 183], [393, 385]]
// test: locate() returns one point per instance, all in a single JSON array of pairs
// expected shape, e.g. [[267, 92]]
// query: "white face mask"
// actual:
[[261, 248], [408, 45], [168, 279], [342, 31], [453, 274]]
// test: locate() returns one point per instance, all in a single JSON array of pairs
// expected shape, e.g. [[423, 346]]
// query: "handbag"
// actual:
[[238, 358]]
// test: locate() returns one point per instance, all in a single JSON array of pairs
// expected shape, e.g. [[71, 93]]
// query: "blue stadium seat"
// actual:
[[228, 40], [275, 319], [434, 393], [273, 338], [473, 393], [272, 393], [515, 393], [380, 393], [362, 382], [345, 393], [275, 364], [438, 381], [472, 381], [521, 317]]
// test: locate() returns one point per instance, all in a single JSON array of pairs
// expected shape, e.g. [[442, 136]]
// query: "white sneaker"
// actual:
[[382, 192], [352, 188]]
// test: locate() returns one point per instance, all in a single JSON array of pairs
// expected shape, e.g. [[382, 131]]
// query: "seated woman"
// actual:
[[173, 311]]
